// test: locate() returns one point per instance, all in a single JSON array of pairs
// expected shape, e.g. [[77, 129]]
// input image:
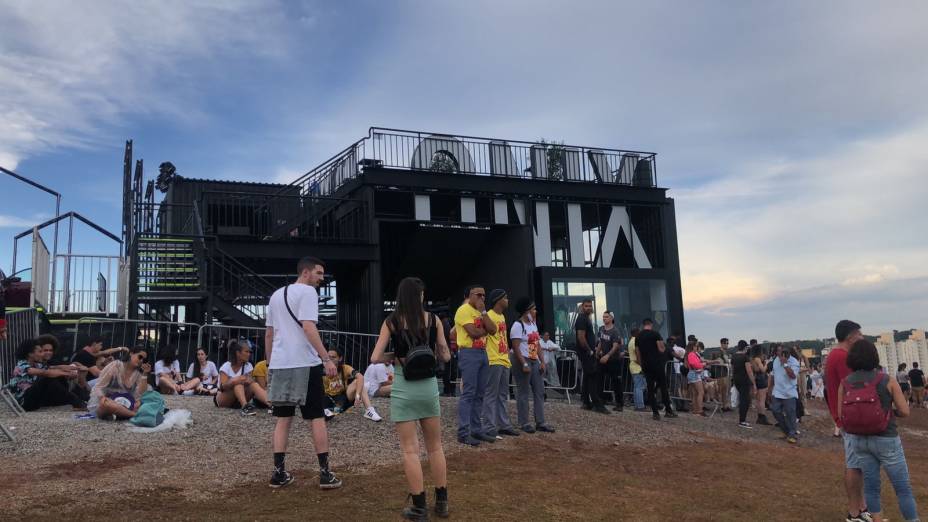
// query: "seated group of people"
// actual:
[[110, 383]]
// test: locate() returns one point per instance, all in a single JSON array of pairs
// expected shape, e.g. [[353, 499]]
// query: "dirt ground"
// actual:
[[704, 476]]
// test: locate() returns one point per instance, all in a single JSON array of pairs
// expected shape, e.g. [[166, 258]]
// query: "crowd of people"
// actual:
[[665, 376]]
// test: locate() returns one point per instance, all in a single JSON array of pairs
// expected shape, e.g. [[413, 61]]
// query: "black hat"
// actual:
[[524, 304], [495, 295]]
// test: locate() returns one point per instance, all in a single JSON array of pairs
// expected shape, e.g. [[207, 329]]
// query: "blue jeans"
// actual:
[[640, 385], [872, 452], [473, 367], [784, 411]]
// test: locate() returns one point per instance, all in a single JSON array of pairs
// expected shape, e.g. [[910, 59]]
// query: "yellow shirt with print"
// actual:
[[335, 386], [467, 314], [633, 367], [260, 370], [498, 343]]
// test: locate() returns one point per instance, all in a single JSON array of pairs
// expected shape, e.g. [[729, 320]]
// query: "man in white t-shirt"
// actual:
[[378, 379], [297, 362]]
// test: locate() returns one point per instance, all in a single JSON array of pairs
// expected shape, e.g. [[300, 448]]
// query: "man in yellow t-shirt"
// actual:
[[259, 374], [495, 415], [472, 325], [634, 368]]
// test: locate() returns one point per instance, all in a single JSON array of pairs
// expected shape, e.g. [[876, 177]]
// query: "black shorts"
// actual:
[[341, 401], [315, 398]]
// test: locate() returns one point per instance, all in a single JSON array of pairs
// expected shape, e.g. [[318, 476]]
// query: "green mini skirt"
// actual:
[[413, 400]]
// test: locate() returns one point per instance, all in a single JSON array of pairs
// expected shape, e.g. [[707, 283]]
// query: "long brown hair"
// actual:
[[408, 312]]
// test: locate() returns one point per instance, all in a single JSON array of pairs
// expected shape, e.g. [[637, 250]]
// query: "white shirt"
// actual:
[[548, 345], [208, 374], [522, 331], [244, 370], [160, 368], [291, 348], [377, 374]]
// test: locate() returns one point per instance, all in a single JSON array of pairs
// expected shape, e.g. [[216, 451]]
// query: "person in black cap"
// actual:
[[495, 416], [528, 367], [651, 353], [586, 346]]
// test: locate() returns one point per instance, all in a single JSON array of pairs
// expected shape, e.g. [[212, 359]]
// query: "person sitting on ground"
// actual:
[[378, 378], [118, 392], [236, 387], [694, 377], [90, 357], [204, 371], [884, 448], [259, 374], [168, 376], [343, 390], [35, 385]]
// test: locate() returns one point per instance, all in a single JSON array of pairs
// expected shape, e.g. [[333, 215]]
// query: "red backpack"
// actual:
[[862, 411]]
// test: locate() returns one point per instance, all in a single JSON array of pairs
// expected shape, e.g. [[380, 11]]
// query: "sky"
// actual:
[[791, 134]]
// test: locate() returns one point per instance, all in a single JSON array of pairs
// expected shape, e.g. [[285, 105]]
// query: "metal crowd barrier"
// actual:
[[679, 389], [568, 365], [156, 336], [21, 325], [356, 348]]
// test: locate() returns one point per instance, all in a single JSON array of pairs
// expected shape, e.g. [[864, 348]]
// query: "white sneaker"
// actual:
[[328, 413], [372, 415]]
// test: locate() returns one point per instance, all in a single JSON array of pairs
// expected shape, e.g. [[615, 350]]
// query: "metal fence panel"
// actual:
[[21, 325]]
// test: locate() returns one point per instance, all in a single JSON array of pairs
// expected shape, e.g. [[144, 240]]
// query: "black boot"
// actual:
[[418, 510], [441, 502]]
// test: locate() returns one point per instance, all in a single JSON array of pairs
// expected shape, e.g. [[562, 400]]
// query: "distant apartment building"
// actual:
[[893, 353]]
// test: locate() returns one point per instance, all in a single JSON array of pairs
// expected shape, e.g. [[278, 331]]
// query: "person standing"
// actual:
[[586, 346], [902, 377], [785, 393], [550, 349], [836, 369], [743, 379], [871, 428], [634, 369], [448, 374], [472, 326], [609, 355], [495, 415], [530, 368], [759, 363], [414, 398], [297, 363], [651, 353], [722, 373], [917, 379], [695, 367]]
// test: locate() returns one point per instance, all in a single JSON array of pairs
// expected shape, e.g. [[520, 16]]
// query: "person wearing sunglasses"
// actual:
[[117, 393], [472, 325]]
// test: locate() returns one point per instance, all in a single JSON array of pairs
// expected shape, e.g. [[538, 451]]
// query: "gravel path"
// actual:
[[222, 448]]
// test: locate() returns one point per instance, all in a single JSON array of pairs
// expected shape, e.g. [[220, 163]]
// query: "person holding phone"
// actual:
[[117, 393]]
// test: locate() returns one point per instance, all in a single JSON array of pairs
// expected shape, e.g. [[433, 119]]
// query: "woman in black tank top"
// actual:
[[416, 401]]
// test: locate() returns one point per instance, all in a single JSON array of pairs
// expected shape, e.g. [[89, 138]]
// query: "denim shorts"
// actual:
[[694, 376], [851, 448]]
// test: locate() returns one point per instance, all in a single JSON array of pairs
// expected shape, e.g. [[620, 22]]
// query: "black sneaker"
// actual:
[[470, 441], [544, 428], [485, 438], [586, 406], [328, 480], [509, 432], [248, 411], [656, 416], [670, 414], [601, 409], [619, 408], [528, 428], [281, 479]]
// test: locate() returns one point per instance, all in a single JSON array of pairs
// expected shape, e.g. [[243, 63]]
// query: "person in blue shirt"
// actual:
[[785, 393]]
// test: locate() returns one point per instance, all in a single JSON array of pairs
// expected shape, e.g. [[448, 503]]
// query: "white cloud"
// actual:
[[70, 73]]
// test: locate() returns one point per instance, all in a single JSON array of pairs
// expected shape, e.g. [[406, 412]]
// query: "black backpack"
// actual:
[[420, 359]]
